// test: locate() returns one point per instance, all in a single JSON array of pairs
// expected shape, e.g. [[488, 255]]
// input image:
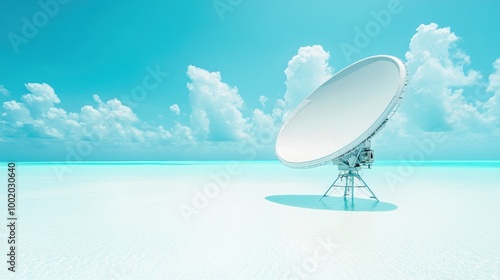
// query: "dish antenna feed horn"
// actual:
[[336, 122]]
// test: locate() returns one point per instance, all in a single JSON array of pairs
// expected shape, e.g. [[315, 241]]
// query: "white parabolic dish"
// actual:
[[342, 113]]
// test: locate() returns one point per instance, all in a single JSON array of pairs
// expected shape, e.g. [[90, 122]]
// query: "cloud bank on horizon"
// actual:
[[446, 95]]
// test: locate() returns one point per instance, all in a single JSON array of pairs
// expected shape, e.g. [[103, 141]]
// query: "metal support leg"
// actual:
[[338, 177], [349, 185], [373, 195], [346, 182], [352, 187]]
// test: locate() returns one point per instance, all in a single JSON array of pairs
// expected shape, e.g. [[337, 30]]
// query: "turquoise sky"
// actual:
[[129, 80]]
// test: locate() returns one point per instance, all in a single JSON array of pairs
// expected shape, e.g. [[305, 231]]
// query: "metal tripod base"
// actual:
[[349, 186]]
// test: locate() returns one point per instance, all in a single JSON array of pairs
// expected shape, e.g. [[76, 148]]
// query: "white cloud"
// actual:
[[435, 100], [16, 113], [58, 123], [162, 133], [109, 123], [3, 90], [445, 95], [262, 100], [306, 71], [183, 134], [216, 107], [37, 115], [493, 104], [175, 109], [41, 97], [494, 79], [115, 110], [462, 115], [264, 128]]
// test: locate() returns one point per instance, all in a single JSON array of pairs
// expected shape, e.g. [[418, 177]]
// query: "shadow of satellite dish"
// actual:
[[332, 203]]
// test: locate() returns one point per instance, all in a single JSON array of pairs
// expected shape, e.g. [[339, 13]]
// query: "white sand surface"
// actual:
[[155, 221]]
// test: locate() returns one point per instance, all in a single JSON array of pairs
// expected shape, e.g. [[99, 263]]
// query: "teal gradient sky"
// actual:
[[96, 53]]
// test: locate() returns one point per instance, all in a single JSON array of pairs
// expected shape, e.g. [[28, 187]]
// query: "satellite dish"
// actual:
[[336, 122]]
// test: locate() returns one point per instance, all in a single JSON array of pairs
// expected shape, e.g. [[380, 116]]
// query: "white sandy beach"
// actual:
[[152, 221]]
